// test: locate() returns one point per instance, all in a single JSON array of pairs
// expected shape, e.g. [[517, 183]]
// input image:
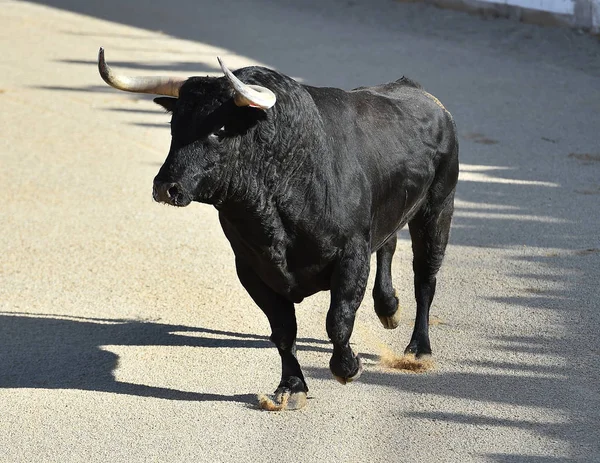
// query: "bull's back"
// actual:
[[399, 136]]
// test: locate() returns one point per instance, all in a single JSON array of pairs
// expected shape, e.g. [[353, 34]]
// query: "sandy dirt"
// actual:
[[124, 333]]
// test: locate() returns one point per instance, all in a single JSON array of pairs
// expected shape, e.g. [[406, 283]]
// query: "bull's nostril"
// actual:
[[172, 192]]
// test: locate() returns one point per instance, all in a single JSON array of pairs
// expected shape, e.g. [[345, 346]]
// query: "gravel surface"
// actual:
[[124, 333]]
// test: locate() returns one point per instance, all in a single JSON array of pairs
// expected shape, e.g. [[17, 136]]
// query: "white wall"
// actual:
[[552, 6], [583, 13], [596, 15]]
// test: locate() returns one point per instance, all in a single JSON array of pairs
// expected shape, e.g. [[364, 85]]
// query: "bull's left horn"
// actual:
[[168, 86], [249, 95]]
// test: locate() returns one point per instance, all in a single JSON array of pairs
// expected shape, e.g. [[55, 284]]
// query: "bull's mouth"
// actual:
[[178, 201]]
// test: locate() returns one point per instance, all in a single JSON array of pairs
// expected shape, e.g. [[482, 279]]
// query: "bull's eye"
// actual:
[[219, 134]]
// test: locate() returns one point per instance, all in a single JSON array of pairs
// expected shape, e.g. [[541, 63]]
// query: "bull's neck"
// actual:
[[255, 181], [278, 158], [257, 178]]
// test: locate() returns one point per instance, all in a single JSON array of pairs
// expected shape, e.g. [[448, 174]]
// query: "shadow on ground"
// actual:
[[62, 352], [286, 33]]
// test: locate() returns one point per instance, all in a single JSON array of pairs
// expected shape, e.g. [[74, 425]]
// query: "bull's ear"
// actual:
[[166, 102]]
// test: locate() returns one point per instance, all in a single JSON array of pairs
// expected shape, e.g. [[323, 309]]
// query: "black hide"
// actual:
[[309, 188]]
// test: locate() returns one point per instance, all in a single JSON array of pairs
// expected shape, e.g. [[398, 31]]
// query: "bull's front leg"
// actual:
[[347, 290], [292, 388]]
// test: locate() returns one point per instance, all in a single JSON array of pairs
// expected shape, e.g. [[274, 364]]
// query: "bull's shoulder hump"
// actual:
[[435, 100]]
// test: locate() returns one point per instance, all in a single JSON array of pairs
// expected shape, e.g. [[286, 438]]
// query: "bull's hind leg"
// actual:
[[292, 388], [429, 231], [384, 295]]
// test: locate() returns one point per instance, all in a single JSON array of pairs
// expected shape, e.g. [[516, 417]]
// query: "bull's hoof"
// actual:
[[354, 376], [419, 350], [284, 399], [290, 395], [292, 400], [390, 322], [389, 305]]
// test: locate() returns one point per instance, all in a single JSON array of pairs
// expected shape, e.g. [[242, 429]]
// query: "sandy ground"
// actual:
[[124, 333]]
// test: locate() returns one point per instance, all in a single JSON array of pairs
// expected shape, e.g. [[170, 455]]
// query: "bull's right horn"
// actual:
[[248, 95], [168, 86]]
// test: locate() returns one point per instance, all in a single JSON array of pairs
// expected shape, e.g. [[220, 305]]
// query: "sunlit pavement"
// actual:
[[124, 333]]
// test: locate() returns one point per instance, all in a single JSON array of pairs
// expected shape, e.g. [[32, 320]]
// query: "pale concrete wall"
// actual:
[[551, 6], [587, 14], [583, 14]]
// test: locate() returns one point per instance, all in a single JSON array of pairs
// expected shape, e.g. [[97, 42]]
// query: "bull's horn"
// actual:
[[249, 95], [168, 86]]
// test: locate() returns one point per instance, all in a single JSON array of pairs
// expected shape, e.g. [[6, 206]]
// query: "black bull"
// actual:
[[307, 189]]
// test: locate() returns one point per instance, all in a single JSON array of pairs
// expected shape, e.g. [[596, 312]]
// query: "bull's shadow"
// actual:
[[62, 352]]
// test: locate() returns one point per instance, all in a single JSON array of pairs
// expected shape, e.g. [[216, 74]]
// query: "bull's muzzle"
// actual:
[[170, 193]]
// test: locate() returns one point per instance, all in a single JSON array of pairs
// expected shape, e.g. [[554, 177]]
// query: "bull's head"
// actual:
[[210, 117]]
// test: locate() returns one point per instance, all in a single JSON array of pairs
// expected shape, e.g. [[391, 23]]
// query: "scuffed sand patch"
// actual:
[[405, 362]]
